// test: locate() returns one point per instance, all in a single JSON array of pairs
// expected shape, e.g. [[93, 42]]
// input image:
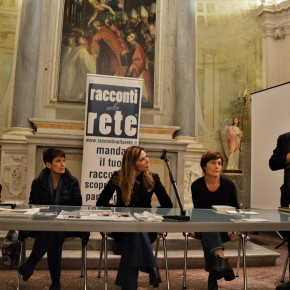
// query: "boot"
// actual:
[[25, 271], [154, 277], [212, 281], [55, 286], [27, 268], [225, 269]]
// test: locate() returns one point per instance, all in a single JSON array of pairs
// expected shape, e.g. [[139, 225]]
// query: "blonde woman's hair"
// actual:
[[127, 173]]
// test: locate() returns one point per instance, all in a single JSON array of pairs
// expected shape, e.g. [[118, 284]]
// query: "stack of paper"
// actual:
[[106, 215], [241, 212], [223, 208], [148, 216], [18, 213]]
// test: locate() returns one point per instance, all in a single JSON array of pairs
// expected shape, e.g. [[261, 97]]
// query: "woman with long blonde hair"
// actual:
[[134, 185]]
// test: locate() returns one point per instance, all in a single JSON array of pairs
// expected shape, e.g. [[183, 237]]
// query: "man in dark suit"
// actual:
[[280, 159]]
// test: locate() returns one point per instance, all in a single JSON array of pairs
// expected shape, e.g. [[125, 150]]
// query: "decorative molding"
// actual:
[[71, 127], [14, 177], [157, 132], [279, 33], [274, 8], [58, 127], [275, 20]]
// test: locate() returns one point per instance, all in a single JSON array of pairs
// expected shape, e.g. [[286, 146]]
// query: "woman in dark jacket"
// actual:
[[135, 184], [54, 186]]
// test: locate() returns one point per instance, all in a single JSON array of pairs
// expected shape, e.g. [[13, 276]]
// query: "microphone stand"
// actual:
[[182, 216]]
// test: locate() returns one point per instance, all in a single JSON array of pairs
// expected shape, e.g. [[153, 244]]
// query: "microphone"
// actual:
[[163, 155], [182, 216]]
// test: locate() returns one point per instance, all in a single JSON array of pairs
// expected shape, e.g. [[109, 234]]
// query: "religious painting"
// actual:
[[107, 37]]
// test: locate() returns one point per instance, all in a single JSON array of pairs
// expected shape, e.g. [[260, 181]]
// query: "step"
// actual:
[[256, 254]]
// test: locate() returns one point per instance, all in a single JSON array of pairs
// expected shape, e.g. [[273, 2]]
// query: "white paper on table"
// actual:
[[254, 220], [241, 212], [148, 216]]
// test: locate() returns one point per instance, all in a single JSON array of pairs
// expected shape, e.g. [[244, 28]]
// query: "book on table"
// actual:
[[284, 208], [223, 208], [18, 213]]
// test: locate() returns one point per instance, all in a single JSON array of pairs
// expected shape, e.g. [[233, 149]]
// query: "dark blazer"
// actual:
[[140, 196], [278, 161], [41, 193]]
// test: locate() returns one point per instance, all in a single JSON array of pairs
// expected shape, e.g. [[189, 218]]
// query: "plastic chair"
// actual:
[[84, 236], [104, 251]]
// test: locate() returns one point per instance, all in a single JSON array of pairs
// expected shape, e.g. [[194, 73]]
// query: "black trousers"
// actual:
[[210, 242], [136, 254], [49, 243]]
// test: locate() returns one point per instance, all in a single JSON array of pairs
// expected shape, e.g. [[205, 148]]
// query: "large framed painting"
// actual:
[[107, 37]]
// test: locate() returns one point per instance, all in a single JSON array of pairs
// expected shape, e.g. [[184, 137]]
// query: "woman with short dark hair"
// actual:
[[54, 186], [214, 189]]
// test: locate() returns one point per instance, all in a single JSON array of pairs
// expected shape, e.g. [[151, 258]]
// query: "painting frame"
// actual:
[[116, 41]]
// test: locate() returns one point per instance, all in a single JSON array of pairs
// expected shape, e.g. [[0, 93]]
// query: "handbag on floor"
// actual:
[[11, 250]]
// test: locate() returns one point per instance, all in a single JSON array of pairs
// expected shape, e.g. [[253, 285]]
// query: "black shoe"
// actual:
[[55, 286], [154, 277], [224, 270], [25, 271], [284, 286], [212, 281]]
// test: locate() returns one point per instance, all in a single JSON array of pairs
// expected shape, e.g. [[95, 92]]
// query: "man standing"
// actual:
[[280, 159]]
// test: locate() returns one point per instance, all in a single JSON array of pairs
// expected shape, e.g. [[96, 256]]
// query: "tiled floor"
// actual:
[[258, 278]]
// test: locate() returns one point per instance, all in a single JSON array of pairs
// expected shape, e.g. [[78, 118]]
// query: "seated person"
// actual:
[[54, 186], [135, 184], [214, 189]]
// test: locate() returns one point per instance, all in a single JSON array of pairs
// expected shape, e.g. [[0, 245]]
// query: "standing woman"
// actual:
[[214, 189], [134, 185]]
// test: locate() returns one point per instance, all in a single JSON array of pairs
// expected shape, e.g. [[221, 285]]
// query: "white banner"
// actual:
[[112, 124]]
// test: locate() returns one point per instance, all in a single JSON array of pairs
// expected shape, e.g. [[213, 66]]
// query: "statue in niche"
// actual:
[[232, 143]]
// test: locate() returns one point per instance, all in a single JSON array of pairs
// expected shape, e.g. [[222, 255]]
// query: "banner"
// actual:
[[111, 125]]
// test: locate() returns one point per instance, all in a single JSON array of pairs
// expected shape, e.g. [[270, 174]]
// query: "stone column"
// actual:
[[185, 86], [14, 158], [27, 64], [185, 68]]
